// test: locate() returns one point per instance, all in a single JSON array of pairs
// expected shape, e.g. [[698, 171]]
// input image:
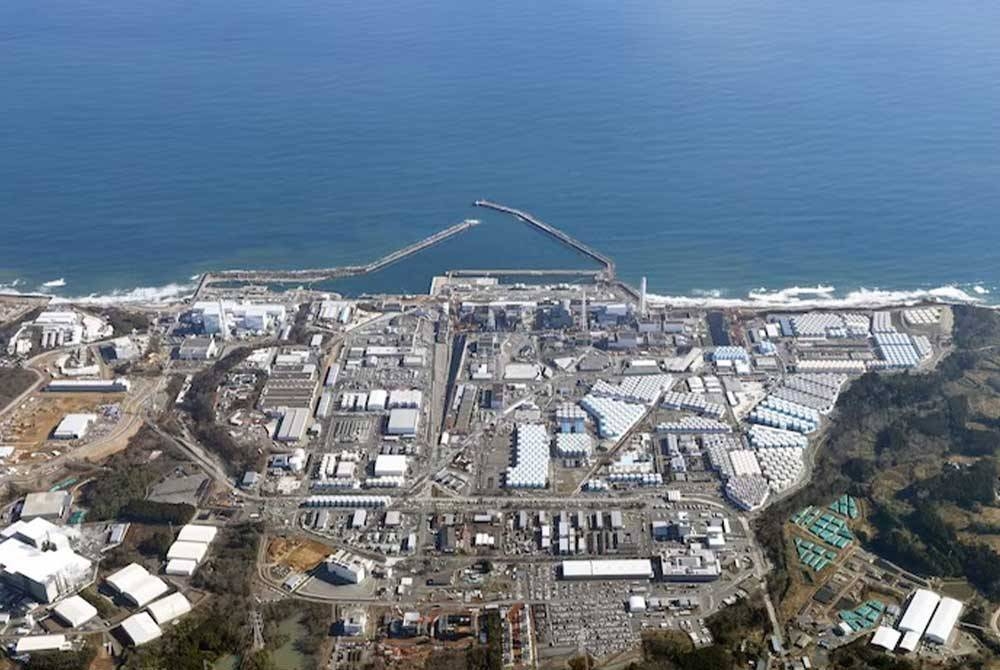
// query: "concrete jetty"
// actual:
[[314, 275], [552, 231], [523, 272]]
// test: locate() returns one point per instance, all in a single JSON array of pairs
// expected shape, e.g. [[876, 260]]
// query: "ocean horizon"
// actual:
[[730, 154]]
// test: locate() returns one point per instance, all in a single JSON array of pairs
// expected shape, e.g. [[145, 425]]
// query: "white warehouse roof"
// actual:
[[167, 609], [75, 611], [403, 421], [136, 584], [141, 628], [192, 551], [886, 637], [74, 426], [608, 569], [910, 641], [390, 465], [918, 612], [293, 424], [944, 620], [40, 643], [181, 567], [127, 577], [195, 533]]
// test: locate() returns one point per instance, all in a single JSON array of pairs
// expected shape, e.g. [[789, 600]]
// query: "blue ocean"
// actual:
[[716, 147]]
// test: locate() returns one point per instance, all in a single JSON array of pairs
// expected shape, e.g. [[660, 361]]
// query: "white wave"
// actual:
[[822, 297], [980, 290], [55, 283], [141, 295], [792, 293], [708, 293]]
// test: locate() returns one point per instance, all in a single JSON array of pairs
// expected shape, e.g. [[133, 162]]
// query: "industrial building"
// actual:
[[46, 505], [140, 629], [293, 424], [74, 611], [32, 643], [88, 386], [197, 533], [292, 383], [641, 568], [886, 638], [943, 622], [403, 422], [167, 609], [197, 349], [225, 317], [349, 567], [180, 567], [696, 564], [35, 557], [187, 551], [390, 465], [74, 426], [136, 585], [359, 518], [404, 399], [918, 612], [377, 400]]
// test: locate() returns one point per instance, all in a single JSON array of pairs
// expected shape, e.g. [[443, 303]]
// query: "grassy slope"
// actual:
[[890, 442]]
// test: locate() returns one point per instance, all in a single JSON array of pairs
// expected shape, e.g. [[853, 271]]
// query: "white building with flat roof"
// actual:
[[635, 568], [26, 645], [46, 505], [349, 567], [74, 426], [390, 465], [403, 422], [293, 424]]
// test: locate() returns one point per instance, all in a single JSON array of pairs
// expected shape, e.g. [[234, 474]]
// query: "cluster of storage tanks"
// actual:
[[346, 501], [765, 437], [636, 478], [782, 466], [531, 465], [614, 417], [694, 424]]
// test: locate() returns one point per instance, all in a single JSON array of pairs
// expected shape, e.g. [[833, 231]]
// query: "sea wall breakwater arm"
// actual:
[[313, 275]]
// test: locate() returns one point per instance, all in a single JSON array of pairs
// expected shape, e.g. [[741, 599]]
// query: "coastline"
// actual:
[[794, 298]]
